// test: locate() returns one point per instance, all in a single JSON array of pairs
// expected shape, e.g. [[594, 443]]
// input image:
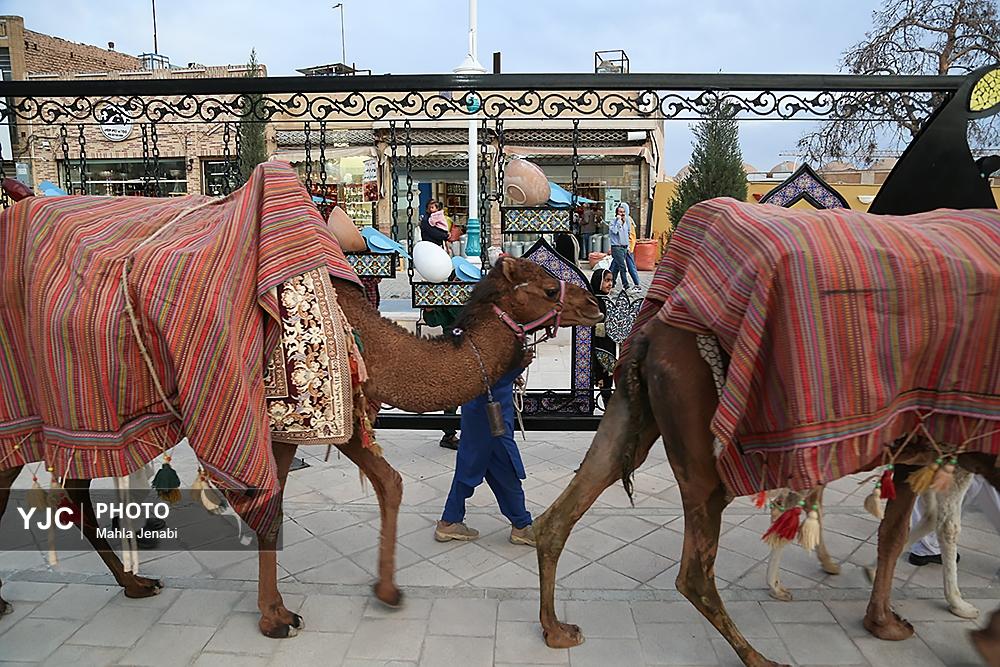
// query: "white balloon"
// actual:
[[431, 262]]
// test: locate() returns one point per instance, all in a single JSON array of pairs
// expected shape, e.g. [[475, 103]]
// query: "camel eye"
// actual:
[[552, 292]]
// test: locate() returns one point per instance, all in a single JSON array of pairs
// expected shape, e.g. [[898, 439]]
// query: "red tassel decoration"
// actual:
[[760, 500], [887, 485], [785, 527]]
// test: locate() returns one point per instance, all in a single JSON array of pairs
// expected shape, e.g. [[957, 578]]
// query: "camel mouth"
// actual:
[[585, 320]]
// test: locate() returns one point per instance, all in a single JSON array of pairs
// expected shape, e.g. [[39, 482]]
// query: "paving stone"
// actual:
[[413, 609], [28, 591], [425, 573], [312, 648], [598, 576], [772, 649], [116, 626], [797, 612], [949, 641], [750, 618], [76, 601], [818, 643], [469, 561], [240, 634], [326, 521], [166, 597], [665, 612], [609, 620], [201, 608], [340, 571], [508, 575], [603, 652], [850, 614], [34, 639], [912, 652], [592, 544], [569, 562], [332, 613], [84, 656], [169, 645], [526, 610], [628, 528], [523, 642], [676, 644], [21, 610], [463, 618], [230, 660], [637, 563], [464, 651], [387, 639], [306, 555]]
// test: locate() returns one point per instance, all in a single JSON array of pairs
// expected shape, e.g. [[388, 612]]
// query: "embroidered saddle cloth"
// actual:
[[209, 282], [844, 330]]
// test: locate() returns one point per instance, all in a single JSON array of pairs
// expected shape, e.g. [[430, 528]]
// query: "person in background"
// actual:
[[619, 231], [429, 231], [588, 227], [600, 285], [630, 255], [444, 317], [483, 456]]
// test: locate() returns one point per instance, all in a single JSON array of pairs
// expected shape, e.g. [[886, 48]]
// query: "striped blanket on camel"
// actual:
[[844, 330], [202, 275]]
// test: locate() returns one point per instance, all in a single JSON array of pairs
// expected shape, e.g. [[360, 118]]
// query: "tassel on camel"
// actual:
[[785, 527]]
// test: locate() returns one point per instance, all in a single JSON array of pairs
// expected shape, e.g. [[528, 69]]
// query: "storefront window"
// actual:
[[126, 177], [214, 174], [604, 183]]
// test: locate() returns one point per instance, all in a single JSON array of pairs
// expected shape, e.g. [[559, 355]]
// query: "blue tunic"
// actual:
[[477, 444]]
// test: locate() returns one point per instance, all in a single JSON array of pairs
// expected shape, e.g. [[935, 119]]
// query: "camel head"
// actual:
[[528, 293]]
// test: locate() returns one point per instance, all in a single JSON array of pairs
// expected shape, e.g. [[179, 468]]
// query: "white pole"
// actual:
[[471, 66]]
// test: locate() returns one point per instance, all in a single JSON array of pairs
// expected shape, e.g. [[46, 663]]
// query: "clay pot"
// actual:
[[645, 255], [525, 184], [595, 257]]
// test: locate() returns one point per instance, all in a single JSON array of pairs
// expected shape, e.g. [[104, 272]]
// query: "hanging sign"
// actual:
[[370, 180], [114, 122]]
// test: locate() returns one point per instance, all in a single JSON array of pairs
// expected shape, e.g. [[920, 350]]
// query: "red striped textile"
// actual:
[[74, 388], [843, 329]]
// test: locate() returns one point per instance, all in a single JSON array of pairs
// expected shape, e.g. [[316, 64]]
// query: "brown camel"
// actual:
[[664, 363], [414, 374]]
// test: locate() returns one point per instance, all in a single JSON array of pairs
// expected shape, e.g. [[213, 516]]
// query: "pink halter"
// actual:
[[553, 316]]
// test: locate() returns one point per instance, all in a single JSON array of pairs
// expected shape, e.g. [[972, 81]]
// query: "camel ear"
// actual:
[[509, 267]]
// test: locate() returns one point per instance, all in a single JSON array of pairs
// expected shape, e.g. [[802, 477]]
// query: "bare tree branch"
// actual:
[[908, 37]]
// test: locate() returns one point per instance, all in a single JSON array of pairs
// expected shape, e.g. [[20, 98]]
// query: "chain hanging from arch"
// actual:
[[484, 195], [309, 158], [501, 162], [147, 175], [576, 166], [394, 192], [238, 159], [67, 174], [4, 199], [227, 181], [407, 142], [326, 206], [82, 141], [154, 141]]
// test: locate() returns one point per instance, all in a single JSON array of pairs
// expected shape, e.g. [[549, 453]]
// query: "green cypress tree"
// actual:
[[253, 149], [716, 168]]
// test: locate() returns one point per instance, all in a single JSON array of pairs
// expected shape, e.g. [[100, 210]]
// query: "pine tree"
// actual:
[[253, 149], [716, 168]]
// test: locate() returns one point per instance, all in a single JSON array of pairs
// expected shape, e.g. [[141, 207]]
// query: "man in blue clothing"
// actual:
[[619, 229], [481, 455]]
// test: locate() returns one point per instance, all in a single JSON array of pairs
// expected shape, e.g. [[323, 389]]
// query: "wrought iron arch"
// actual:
[[579, 400], [805, 184]]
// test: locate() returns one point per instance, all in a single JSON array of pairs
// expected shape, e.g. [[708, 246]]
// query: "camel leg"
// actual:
[[880, 619], [275, 620], [685, 402], [388, 487], [601, 467], [949, 527], [825, 560], [775, 589], [135, 586], [7, 478]]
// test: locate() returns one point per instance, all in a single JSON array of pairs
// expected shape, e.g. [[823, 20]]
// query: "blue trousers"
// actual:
[[504, 483], [630, 265], [619, 265]]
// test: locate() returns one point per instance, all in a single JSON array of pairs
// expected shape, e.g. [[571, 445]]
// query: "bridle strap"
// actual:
[[550, 321]]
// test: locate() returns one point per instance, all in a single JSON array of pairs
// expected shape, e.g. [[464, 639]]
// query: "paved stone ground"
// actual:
[[476, 603]]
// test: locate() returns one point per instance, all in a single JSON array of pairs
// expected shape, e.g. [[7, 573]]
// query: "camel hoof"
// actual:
[[298, 623], [145, 588], [963, 609], [830, 568], [279, 631], [393, 598], [894, 629], [6, 608], [564, 635], [781, 593]]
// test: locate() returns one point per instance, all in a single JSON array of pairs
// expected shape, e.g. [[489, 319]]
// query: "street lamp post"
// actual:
[[471, 66], [343, 42]]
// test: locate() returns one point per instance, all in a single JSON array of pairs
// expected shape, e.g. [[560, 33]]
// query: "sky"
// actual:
[[534, 36]]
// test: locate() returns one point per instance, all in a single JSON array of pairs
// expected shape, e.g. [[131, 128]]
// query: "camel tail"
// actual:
[[634, 390]]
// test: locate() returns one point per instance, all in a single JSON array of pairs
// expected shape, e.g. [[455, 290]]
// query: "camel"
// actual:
[[667, 387], [414, 374]]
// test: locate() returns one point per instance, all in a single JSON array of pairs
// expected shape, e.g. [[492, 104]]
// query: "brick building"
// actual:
[[191, 156]]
